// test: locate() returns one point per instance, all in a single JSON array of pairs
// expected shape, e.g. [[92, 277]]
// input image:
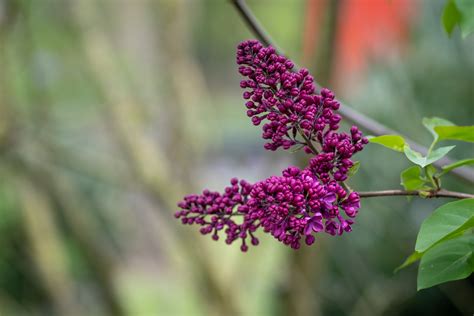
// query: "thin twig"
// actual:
[[369, 124], [307, 141], [429, 194], [253, 23]]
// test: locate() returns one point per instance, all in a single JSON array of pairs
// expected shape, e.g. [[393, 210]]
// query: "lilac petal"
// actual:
[[308, 229], [278, 231], [317, 226], [351, 209], [329, 199], [332, 227], [310, 240], [317, 217]]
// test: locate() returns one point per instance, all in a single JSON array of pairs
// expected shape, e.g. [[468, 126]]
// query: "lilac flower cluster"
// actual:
[[285, 99], [300, 203], [288, 103], [289, 207], [215, 212], [297, 204]]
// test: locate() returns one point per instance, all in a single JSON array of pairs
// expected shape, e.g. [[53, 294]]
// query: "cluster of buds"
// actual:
[[300, 203]]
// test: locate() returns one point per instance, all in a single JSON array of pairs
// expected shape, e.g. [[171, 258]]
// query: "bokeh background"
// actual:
[[112, 110]]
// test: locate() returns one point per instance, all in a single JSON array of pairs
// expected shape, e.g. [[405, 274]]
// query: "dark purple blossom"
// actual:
[[299, 203], [289, 105], [284, 99], [215, 212], [289, 207]]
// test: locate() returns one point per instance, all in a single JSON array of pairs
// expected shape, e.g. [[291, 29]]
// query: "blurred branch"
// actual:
[[152, 171], [100, 259], [430, 194], [41, 191], [349, 113], [48, 251], [254, 24], [188, 91], [8, 14], [148, 165], [325, 55]]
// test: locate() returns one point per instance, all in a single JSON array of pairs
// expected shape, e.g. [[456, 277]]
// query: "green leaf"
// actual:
[[448, 261], [431, 122], [353, 170], [393, 142], [414, 156], [418, 158], [411, 178], [461, 13], [444, 129], [466, 10], [430, 171], [414, 257], [457, 164], [438, 153], [447, 220], [450, 17], [464, 133]]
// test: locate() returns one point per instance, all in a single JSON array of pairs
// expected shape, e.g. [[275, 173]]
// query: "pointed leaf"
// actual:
[[438, 153], [457, 164], [450, 17], [463, 133], [458, 12], [414, 257], [393, 142], [466, 10], [414, 156], [450, 260], [431, 122], [449, 219], [418, 158]]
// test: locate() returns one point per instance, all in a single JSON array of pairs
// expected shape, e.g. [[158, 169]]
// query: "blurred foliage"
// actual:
[[110, 111], [458, 13]]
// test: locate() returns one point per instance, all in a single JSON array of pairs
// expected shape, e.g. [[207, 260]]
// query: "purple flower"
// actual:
[[214, 212], [352, 204], [332, 227], [286, 100], [328, 200], [300, 202], [315, 224]]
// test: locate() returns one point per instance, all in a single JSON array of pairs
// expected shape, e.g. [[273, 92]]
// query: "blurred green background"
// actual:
[[112, 110]]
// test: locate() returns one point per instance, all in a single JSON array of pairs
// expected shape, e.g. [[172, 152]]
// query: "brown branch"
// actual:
[[369, 124], [430, 194]]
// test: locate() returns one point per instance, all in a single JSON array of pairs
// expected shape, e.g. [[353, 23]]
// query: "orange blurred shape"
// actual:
[[366, 30]]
